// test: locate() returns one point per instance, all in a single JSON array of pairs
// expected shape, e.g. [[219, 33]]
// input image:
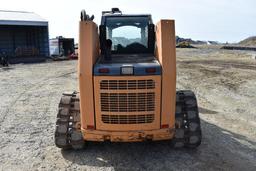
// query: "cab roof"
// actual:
[[107, 15]]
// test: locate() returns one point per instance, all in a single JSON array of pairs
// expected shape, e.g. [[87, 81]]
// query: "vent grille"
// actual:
[[127, 102], [127, 119], [127, 84]]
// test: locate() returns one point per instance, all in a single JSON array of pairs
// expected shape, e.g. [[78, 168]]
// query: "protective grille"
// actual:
[[127, 84], [127, 119], [127, 102]]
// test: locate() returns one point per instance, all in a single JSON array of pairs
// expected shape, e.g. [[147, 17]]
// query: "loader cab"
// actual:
[[129, 34], [126, 39]]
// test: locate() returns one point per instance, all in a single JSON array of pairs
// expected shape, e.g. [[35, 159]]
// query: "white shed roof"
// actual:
[[21, 18]]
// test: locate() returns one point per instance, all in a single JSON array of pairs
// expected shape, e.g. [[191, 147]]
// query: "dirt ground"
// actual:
[[225, 85]]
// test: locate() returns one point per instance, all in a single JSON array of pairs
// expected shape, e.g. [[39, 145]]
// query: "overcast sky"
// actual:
[[221, 20]]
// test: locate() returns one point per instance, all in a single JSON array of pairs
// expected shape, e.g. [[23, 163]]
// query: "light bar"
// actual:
[[127, 70]]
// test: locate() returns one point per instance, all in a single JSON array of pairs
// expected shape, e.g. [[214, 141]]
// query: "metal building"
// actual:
[[23, 34]]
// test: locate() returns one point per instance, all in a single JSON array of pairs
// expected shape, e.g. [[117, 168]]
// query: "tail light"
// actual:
[[164, 126], [90, 127], [150, 70], [103, 70]]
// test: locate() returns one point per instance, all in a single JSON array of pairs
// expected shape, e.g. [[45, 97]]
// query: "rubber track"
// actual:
[[188, 129], [68, 133]]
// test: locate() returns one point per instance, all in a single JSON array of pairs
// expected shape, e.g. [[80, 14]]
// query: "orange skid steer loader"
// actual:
[[127, 86]]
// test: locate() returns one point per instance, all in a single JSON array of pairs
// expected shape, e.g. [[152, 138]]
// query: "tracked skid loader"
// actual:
[[127, 86]]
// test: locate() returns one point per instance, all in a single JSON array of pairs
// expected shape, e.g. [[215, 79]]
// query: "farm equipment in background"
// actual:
[[62, 48], [184, 45], [74, 55], [4, 61]]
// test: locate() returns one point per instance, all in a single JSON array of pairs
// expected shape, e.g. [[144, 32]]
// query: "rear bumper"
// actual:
[[128, 136]]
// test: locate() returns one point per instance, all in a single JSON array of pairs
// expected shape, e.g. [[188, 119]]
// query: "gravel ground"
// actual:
[[224, 82]]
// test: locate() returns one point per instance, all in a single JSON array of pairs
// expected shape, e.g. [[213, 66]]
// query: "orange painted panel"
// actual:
[[166, 54], [128, 136], [100, 125], [88, 54]]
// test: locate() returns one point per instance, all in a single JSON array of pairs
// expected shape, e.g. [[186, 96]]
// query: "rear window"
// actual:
[[128, 34]]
